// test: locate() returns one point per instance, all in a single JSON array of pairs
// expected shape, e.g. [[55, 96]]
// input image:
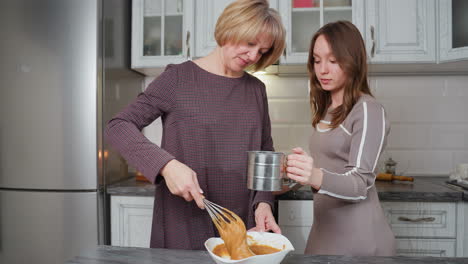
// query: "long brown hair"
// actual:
[[348, 48]]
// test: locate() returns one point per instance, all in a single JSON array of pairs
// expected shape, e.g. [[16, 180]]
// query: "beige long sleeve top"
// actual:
[[348, 218]]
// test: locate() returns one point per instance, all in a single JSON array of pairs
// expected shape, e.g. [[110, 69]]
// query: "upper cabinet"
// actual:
[[161, 32], [302, 18], [401, 31], [206, 15], [453, 30], [400, 35]]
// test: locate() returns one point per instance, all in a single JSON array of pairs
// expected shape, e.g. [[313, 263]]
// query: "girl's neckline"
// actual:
[[217, 75], [363, 96]]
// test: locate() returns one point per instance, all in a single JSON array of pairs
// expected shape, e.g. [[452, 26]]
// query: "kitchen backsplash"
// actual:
[[428, 115]]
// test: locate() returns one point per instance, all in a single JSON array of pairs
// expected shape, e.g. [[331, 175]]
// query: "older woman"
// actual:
[[213, 112]]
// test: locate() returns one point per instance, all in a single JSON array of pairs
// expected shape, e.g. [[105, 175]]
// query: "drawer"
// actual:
[[295, 213], [421, 220], [426, 247]]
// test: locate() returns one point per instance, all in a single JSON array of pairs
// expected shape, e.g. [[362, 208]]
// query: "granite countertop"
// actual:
[[423, 189], [131, 187], [126, 255]]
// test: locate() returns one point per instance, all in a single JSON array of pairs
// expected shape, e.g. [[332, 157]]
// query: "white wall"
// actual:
[[428, 115]]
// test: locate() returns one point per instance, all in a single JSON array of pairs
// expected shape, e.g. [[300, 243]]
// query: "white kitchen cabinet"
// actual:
[[418, 220], [303, 18], [453, 30], [401, 31], [295, 219], [427, 228], [426, 247], [162, 33], [462, 227], [207, 13], [420, 228], [131, 220]]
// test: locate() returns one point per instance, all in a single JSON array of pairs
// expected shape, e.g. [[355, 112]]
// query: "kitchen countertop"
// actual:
[[443, 181], [423, 189], [131, 187], [126, 255]]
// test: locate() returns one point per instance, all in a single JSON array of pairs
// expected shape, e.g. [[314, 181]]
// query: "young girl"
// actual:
[[349, 131]]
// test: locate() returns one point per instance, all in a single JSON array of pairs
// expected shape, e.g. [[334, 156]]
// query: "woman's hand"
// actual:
[[301, 169], [264, 219], [182, 181]]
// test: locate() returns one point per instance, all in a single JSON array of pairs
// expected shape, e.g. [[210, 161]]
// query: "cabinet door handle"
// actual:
[[416, 220], [179, 6], [373, 41], [187, 44]]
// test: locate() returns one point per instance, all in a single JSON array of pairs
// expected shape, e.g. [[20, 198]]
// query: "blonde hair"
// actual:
[[244, 20]]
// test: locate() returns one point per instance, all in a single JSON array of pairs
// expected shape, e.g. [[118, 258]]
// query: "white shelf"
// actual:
[[158, 14], [317, 9]]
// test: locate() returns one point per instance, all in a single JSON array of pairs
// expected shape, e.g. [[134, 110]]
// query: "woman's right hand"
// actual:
[[182, 181], [301, 169]]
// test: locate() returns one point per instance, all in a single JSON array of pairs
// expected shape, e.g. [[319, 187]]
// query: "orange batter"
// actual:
[[263, 249], [234, 234], [221, 250]]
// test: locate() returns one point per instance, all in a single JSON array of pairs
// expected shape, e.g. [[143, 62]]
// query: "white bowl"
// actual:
[[263, 238]]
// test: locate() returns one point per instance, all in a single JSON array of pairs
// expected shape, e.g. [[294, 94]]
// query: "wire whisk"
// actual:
[[231, 228], [220, 215]]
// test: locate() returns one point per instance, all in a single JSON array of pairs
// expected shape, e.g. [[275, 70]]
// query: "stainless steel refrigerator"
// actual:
[[63, 73]]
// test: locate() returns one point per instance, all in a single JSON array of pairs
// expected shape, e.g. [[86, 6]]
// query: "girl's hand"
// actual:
[[182, 181], [264, 219], [301, 169]]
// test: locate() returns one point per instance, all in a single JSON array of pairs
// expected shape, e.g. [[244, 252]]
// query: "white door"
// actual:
[[401, 31], [161, 32], [453, 30], [295, 218], [303, 18], [131, 220], [207, 13]]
